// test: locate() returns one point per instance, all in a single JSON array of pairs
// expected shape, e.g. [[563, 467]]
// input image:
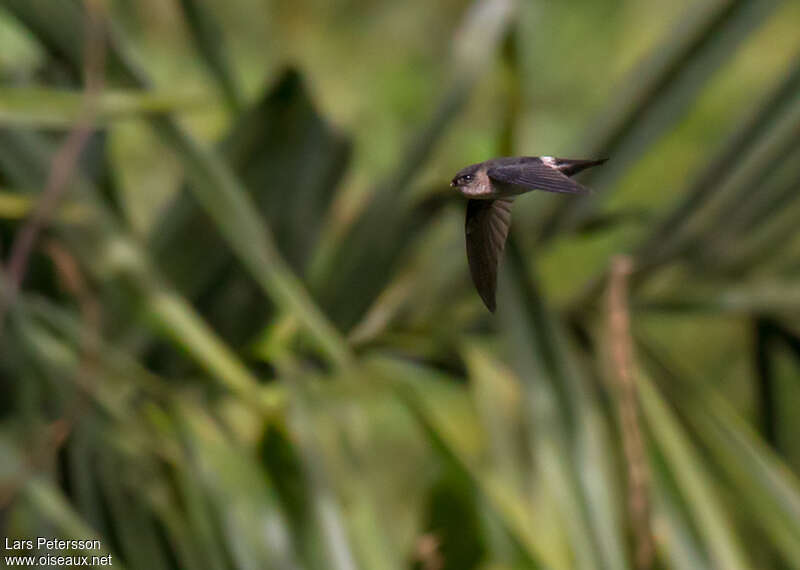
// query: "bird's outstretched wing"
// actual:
[[486, 229], [536, 176]]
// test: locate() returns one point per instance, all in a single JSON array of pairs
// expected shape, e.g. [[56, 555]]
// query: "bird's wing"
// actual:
[[536, 176], [486, 229]]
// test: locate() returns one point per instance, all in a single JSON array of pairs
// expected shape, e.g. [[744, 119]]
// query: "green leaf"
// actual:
[[378, 237], [693, 478], [49, 503], [659, 93], [210, 42], [762, 481], [569, 433], [110, 254], [291, 161], [38, 107], [710, 180], [214, 185], [504, 502]]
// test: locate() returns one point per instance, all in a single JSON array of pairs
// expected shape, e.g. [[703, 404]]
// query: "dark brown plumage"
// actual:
[[491, 187]]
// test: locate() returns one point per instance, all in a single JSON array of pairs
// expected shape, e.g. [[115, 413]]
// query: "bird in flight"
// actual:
[[491, 186]]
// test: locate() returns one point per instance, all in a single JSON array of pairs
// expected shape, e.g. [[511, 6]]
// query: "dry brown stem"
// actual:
[[622, 366]]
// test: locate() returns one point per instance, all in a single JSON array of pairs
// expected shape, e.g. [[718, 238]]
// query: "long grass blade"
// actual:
[[378, 236], [37, 107], [677, 71], [113, 255], [651, 252], [693, 478], [403, 378], [49, 503], [210, 42], [763, 482], [215, 187], [562, 401]]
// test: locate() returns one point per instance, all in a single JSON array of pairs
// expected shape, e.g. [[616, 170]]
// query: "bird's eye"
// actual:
[[462, 180]]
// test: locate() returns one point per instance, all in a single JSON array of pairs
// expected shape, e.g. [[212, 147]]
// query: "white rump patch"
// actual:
[[549, 161]]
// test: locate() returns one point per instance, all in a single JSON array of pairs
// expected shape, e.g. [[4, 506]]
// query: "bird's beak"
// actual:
[[452, 184]]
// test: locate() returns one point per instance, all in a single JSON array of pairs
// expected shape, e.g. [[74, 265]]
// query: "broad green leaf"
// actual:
[[110, 254], [215, 186], [291, 160]]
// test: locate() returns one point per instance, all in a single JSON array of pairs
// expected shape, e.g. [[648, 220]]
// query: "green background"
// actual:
[[247, 337]]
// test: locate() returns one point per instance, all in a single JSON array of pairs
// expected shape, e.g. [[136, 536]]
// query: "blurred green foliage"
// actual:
[[247, 336]]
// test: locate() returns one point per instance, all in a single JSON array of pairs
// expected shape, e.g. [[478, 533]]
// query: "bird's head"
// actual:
[[465, 177]]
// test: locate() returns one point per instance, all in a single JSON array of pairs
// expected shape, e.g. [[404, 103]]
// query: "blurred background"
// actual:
[[237, 328]]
